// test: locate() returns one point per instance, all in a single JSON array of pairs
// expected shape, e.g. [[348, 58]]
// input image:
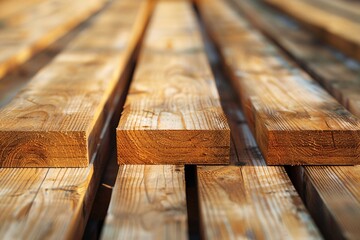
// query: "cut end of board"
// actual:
[[42, 149], [312, 147], [173, 147]]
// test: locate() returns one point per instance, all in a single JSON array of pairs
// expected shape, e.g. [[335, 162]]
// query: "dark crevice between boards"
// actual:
[[192, 202], [313, 202], [110, 169], [16, 79]]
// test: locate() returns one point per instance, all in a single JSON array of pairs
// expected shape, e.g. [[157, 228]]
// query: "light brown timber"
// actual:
[[248, 199], [332, 194], [172, 114], [293, 119], [57, 119], [148, 202], [33, 28], [340, 31]]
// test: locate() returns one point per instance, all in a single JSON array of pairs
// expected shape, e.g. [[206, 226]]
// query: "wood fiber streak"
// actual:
[[57, 118], [172, 114], [327, 22], [148, 202], [331, 193], [32, 27], [293, 119]]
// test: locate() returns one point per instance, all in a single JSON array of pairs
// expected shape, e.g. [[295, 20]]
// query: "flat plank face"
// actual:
[[148, 202], [28, 29], [293, 119], [331, 193], [334, 24], [57, 119], [172, 113]]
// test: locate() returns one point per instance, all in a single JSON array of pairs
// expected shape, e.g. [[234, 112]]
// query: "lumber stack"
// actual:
[[164, 116], [172, 113], [57, 120], [24, 33], [335, 22], [316, 184], [292, 118]]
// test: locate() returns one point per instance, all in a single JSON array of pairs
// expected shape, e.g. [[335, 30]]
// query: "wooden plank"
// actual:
[[172, 114], [54, 203], [248, 199], [330, 193], [148, 202], [34, 28], [340, 31], [338, 74], [8, 8], [56, 120], [15, 80], [293, 119]]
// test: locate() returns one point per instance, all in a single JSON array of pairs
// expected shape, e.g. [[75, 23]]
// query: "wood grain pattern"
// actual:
[[339, 30], [148, 202], [15, 80], [337, 73], [172, 114], [293, 119], [35, 27], [330, 193], [49, 203], [249, 200], [57, 119]]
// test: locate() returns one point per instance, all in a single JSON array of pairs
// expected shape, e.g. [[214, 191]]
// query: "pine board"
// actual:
[[248, 199], [293, 119], [57, 119], [33, 28], [330, 193], [338, 30], [172, 114], [148, 202]]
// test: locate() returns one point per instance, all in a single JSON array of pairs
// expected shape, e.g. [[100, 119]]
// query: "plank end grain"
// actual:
[[38, 149], [312, 147], [173, 146]]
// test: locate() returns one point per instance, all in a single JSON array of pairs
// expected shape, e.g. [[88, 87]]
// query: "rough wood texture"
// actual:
[[15, 80], [30, 29], [337, 29], [148, 202], [338, 74], [250, 200], [44, 203], [172, 114], [330, 193], [57, 119], [293, 119]]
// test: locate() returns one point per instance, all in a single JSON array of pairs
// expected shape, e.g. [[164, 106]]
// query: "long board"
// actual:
[[172, 114], [37, 25], [330, 192], [54, 203], [247, 199], [57, 119], [293, 119], [340, 31], [148, 202]]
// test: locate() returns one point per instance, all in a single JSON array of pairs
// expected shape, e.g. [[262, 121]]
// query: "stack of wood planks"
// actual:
[[162, 119]]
